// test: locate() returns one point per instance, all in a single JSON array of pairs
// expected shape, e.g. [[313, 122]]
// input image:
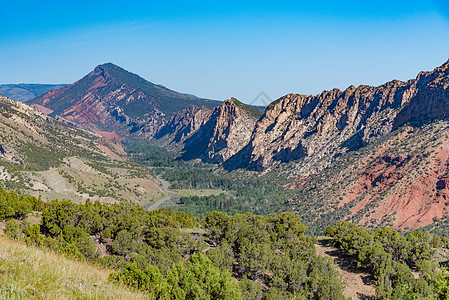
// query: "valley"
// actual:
[[374, 146], [117, 171], [230, 150]]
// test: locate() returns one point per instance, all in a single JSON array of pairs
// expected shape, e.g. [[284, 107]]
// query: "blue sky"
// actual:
[[223, 49]]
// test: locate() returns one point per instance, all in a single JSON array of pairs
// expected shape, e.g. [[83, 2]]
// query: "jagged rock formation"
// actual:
[[227, 131], [181, 126], [113, 99], [320, 128], [431, 100]]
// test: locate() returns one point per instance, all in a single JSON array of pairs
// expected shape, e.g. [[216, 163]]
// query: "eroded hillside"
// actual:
[[44, 157]]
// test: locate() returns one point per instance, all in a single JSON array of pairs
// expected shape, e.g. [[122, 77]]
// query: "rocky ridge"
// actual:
[[317, 129], [182, 126], [226, 132], [211, 135]]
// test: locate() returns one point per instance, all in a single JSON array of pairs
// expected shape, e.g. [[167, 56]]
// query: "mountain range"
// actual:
[[373, 155]]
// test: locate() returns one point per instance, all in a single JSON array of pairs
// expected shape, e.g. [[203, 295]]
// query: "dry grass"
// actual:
[[31, 273], [197, 192]]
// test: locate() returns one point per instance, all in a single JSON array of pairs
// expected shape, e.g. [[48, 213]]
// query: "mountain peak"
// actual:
[[443, 67], [253, 112], [111, 98], [109, 65]]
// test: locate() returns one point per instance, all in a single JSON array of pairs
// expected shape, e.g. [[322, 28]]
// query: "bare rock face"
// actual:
[[225, 133], [182, 125], [431, 99], [319, 128]]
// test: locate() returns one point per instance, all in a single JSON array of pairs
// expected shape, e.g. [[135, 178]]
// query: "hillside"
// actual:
[[32, 273], [114, 100], [42, 156], [398, 180], [23, 92], [172, 255]]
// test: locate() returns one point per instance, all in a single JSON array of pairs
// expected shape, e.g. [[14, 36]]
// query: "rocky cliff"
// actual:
[[317, 129], [227, 131], [181, 126]]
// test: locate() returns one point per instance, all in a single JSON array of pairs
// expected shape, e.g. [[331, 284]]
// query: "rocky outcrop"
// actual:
[[225, 133], [317, 129], [431, 99], [182, 125]]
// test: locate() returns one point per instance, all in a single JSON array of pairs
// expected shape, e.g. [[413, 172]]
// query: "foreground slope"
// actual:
[[42, 156], [32, 273], [172, 255]]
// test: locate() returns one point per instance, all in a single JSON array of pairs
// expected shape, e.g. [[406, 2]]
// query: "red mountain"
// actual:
[[112, 99]]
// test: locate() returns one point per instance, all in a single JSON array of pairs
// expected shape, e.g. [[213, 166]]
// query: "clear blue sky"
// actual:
[[219, 49]]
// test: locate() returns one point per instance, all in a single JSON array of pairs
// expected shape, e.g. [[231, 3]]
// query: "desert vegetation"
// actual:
[[168, 254], [172, 255]]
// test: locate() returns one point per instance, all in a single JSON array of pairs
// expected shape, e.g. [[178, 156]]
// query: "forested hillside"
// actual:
[[174, 255]]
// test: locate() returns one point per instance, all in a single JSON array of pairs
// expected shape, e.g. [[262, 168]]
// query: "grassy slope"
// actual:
[[198, 192], [30, 273]]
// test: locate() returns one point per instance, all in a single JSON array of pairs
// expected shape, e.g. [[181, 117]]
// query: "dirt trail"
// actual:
[[359, 283]]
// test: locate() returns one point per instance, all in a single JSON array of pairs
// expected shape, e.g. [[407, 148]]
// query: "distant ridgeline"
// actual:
[[172, 255], [23, 92]]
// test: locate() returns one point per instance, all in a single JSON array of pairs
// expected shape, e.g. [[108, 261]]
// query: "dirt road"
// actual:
[[164, 188], [359, 283]]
